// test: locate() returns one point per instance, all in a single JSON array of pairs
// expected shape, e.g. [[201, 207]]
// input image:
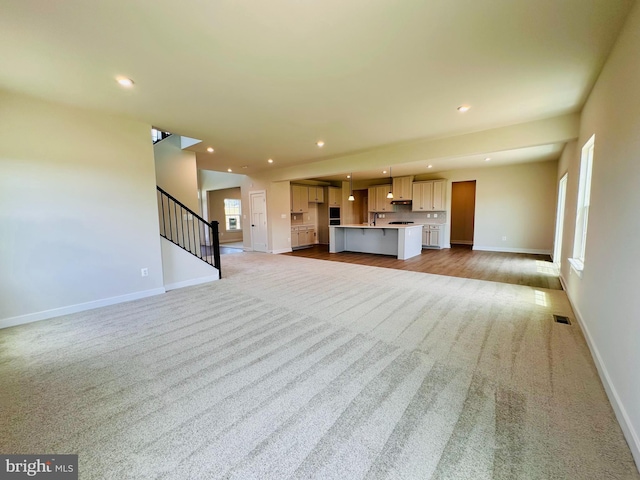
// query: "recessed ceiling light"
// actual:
[[384, 171], [487, 159], [229, 170], [210, 149], [429, 166], [348, 176], [320, 143], [463, 108], [125, 82], [245, 166], [270, 160]]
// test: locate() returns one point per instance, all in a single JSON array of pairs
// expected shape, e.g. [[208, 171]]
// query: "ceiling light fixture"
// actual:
[[384, 172], [429, 166], [320, 143], [229, 170], [270, 160], [390, 194], [487, 159], [351, 197], [348, 176], [463, 108], [245, 166], [124, 82], [210, 150]]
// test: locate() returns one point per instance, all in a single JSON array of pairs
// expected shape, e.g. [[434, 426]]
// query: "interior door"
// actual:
[[258, 221], [463, 207]]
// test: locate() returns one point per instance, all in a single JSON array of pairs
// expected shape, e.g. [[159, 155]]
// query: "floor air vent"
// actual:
[[561, 319]]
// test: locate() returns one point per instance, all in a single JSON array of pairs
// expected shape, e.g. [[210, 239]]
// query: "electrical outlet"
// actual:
[[295, 218], [435, 215], [504, 238], [428, 215], [283, 215], [144, 272]]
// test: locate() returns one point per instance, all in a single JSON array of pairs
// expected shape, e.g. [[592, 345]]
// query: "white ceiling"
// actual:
[[262, 79]]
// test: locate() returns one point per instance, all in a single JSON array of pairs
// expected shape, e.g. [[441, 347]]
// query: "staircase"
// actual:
[[185, 228]]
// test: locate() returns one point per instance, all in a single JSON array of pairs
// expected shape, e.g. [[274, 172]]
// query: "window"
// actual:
[[584, 194], [232, 214]]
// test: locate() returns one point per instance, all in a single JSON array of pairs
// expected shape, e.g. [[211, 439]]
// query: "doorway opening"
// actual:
[[225, 205], [557, 243], [463, 211]]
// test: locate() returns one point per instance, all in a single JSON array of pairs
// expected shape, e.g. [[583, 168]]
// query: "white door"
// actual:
[[557, 244], [258, 221]]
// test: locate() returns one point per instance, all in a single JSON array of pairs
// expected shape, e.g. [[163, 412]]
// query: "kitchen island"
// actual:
[[403, 241]]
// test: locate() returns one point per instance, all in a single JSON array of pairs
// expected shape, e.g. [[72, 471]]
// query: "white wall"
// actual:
[[606, 297], [515, 201], [77, 208], [182, 269]]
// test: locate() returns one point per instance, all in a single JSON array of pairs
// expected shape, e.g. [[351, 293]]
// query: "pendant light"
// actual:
[[351, 197], [390, 194]]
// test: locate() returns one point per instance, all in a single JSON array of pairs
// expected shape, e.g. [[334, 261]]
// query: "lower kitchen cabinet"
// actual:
[[432, 236], [303, 236]]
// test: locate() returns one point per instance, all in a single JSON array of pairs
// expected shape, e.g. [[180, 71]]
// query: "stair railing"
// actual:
[[184, 227]]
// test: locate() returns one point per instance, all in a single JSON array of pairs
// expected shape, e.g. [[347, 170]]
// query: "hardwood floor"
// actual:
[[458, 261]]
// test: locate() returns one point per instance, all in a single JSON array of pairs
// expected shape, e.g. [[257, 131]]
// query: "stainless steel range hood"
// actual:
[[400, 202]]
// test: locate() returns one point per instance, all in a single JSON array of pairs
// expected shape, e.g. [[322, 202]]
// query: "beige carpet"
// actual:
[[295, 368]]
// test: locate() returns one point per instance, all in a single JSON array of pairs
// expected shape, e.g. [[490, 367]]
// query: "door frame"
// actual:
[[562, 200], [262, 193]]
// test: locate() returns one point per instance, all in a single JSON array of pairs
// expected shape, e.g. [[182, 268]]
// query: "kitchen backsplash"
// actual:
[[404, 214]]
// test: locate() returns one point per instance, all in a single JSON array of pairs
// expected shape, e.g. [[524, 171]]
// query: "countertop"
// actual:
[[366, 225]]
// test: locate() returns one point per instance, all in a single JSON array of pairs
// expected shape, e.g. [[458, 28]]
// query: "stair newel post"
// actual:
[[215, 241]]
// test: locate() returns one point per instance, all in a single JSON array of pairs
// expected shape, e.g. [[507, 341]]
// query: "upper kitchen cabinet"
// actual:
[[402, 188], [429, 196], [299, 199], [316, 194], [334, 195], [378, 201]]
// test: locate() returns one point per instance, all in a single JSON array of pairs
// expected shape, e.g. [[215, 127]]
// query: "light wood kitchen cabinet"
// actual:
[[299, 199], [432, 236], [439, 191], [335, 196], [429, 196], [402, 188], [316, 194], [303, 236], [378, 201]]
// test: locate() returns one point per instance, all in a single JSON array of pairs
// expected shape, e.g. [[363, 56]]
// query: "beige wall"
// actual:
[[278, 212], [514, 201], [77, 207], [215, 199], [210, 180], [606, 297], [176, 171]]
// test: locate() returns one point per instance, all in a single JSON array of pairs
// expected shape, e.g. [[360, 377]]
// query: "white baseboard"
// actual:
[[80, 307], [282, 250], [618, 407], [191, 282], [512, 250]]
